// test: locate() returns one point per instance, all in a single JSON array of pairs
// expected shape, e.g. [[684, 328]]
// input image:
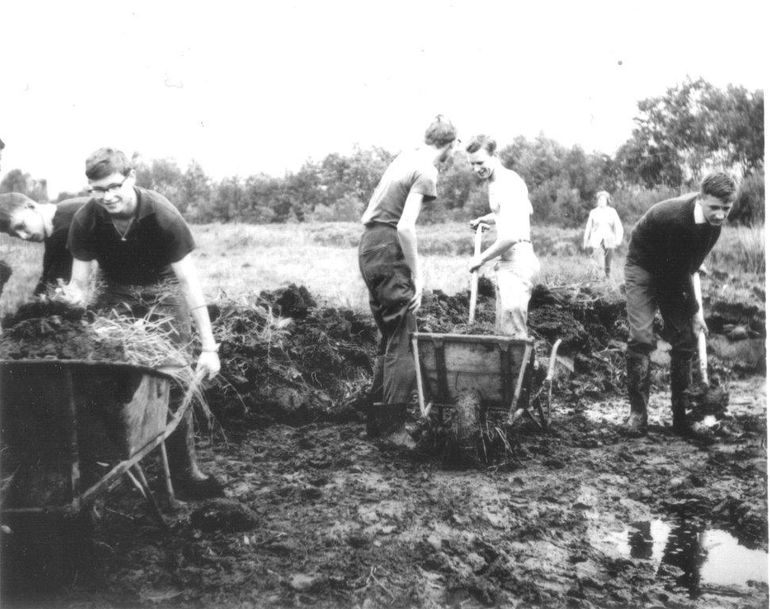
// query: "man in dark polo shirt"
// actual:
[[668, 246], [143, 245], [387, 257], [22, 217]]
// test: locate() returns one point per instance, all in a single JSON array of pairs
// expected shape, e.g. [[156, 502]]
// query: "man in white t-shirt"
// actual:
[[604, 232], [511, 209]]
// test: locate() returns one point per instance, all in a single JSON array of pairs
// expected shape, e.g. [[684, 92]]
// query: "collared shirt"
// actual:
[[157, 237]]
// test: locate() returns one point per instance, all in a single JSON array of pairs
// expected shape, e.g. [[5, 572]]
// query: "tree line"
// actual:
[[693, 128]]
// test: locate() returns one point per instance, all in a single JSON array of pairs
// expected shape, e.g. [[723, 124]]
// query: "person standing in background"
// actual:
[[604, 232]]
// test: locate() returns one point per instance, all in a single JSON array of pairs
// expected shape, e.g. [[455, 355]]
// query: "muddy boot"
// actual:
[[188, 480], [393, 426], [638, 381], [374, 399], [680, 382]]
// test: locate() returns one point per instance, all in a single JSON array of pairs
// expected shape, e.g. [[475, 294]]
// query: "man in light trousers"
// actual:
[[511, 210]]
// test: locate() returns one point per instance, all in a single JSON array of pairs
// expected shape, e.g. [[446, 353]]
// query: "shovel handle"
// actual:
[[475, 274], [702, 357]]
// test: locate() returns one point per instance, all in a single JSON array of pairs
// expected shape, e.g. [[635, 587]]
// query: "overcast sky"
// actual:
[[249, 87]]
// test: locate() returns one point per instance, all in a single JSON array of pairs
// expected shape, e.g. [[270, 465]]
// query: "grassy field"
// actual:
[[235, 260]]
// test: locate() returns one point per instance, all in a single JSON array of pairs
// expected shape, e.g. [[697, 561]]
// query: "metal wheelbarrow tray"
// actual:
[[63, 422], [497, 368]]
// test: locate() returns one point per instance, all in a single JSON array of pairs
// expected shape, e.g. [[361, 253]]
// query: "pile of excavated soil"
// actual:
[[285, 358], [55, 330]]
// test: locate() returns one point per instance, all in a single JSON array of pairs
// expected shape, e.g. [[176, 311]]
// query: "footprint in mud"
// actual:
[[225, 515]]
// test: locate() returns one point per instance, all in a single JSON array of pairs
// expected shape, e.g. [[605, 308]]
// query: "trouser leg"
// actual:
[[679, 332], [638, 383], [389, 281], [680, 382], [513, 290], [608, 261], [180, 446], [640, 307], [375, 398]]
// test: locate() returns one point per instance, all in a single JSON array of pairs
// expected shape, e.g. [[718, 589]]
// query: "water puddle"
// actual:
[[701, 556]]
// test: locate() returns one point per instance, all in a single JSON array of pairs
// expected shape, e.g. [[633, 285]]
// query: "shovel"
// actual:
[[704, 398], [480, 228]]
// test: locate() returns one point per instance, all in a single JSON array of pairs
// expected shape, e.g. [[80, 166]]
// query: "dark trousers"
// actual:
[[643, 297], [389, 281]]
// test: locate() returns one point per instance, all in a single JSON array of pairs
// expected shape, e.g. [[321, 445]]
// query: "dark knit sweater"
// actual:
[[668, 244]]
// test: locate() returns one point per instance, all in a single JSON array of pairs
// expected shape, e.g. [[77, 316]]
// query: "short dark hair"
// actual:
[[719, 185], [10, 203], [106, 161], [477, 142], [440, 132]]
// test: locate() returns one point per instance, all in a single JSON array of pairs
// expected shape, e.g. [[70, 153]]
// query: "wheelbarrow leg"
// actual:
[[172, 500], [140, 482]]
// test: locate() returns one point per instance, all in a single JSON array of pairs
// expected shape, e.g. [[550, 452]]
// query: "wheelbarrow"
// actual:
[[499, 369], [70, 429]]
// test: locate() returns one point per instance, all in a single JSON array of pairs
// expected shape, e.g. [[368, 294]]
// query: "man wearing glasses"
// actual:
[[143, 248]]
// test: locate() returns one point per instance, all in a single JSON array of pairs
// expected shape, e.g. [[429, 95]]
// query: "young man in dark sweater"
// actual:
[[49, 223], [668, 246]]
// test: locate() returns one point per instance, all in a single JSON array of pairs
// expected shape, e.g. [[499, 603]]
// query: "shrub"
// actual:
[[749, 208]]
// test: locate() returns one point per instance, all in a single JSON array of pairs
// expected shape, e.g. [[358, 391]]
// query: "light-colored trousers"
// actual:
[[514, 287]]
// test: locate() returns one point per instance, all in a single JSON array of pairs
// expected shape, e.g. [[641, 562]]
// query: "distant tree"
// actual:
[[195, 190], [18, 181], [695, 127], [163, 176], [64, 195]]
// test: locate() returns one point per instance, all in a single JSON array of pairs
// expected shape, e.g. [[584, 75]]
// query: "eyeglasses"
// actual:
[[100, 191]]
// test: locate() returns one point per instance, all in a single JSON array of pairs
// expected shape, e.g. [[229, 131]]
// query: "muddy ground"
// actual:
[[332, 520], [318, 515]]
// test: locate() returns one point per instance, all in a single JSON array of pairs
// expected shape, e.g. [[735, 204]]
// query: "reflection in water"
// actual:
[[684, 551], [704, 556]]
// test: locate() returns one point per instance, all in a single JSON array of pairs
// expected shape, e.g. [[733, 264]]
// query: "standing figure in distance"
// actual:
[[604, 232]]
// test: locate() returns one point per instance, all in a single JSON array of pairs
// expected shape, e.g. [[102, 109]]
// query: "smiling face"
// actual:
[[115, 193], [714, 209], [482, 164]]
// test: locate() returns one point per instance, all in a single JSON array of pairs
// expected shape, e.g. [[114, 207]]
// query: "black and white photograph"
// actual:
[[447, 304]]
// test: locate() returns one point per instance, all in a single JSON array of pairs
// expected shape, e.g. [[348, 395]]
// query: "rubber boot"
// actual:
[[374, 399], [680, 382], [392, 423], [638, 382], [187, 477]]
